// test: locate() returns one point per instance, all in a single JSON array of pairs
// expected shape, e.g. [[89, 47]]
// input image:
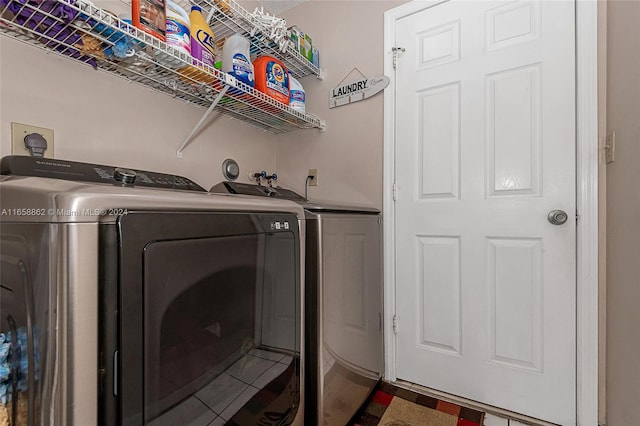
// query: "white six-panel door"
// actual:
[[485, 148]]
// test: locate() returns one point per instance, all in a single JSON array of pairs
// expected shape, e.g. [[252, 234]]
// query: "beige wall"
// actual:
[[102, 118], [348, 155], [623, 216]]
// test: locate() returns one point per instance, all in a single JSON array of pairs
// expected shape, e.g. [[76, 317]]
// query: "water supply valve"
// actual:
[[258, 176], [271, 178]]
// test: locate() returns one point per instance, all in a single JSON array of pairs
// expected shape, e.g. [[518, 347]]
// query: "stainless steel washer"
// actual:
[[130, 297], [343, 308]]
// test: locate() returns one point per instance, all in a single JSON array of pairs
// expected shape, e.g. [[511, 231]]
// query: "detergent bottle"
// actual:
[[296, 94], [178, 33], [272, 78], [236, 59], [202, 40]]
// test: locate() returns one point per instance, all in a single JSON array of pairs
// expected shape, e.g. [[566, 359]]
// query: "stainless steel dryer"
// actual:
[[343, 308], [131, 297]]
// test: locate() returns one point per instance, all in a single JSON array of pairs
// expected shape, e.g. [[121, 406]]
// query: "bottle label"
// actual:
[[178, 35], [297, 95], [243, 68], [277, 79], [202, 47], [205, 39]]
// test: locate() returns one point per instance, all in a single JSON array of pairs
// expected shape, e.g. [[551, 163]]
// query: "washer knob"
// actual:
[[124, 176]]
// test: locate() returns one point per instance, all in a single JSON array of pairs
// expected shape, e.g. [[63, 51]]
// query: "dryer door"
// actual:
[[210, 318]]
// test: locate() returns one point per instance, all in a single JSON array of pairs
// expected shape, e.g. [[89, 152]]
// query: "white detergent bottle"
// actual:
[[236, 59], [296, 95]]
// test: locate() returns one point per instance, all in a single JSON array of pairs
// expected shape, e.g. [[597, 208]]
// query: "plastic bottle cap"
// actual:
[[198, 8]]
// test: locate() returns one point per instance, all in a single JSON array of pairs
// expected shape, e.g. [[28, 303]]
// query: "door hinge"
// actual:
[[395, 324], [610, 148], [395, 51], [395, 191]]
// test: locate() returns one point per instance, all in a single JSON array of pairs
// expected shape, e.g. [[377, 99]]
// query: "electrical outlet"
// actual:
[[18, 133], [314, 180]]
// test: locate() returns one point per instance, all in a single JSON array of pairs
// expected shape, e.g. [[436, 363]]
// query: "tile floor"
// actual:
[[218, 401], [221, 399]]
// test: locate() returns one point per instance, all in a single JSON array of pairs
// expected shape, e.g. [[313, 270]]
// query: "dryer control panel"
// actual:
[[17, 165], [256, 190]]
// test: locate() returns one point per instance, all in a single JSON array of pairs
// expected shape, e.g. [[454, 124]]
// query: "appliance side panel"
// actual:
[[350, 306], [302, 240], [78, 277], [312, 354], [351, 289], [108, 407]]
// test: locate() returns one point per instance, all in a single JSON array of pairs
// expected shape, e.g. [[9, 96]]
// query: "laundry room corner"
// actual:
[[348, 155]]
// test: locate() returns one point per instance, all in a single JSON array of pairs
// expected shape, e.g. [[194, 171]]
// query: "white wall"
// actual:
[[623, 215], [102, 118], [348, 155]]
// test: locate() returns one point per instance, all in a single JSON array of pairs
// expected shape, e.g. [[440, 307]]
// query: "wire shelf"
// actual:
[[79, 30], [227, 17]]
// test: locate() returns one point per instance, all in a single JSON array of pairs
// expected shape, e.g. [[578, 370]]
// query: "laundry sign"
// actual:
[[355, 91]]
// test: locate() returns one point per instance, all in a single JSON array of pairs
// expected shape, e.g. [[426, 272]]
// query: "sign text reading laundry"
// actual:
[[350, 88], [356, 91]]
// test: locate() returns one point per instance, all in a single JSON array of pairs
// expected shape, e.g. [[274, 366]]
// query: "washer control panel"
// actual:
[[18, 165]]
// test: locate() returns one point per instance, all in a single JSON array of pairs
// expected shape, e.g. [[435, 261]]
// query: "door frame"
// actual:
[[586, 201]]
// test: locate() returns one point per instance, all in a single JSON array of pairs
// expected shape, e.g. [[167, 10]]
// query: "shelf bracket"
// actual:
[[202, 121]]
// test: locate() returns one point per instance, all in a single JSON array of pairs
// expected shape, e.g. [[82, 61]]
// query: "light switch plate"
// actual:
[[18, 133]]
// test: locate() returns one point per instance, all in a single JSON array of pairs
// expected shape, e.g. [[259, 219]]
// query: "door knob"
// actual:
[[557, 217]]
